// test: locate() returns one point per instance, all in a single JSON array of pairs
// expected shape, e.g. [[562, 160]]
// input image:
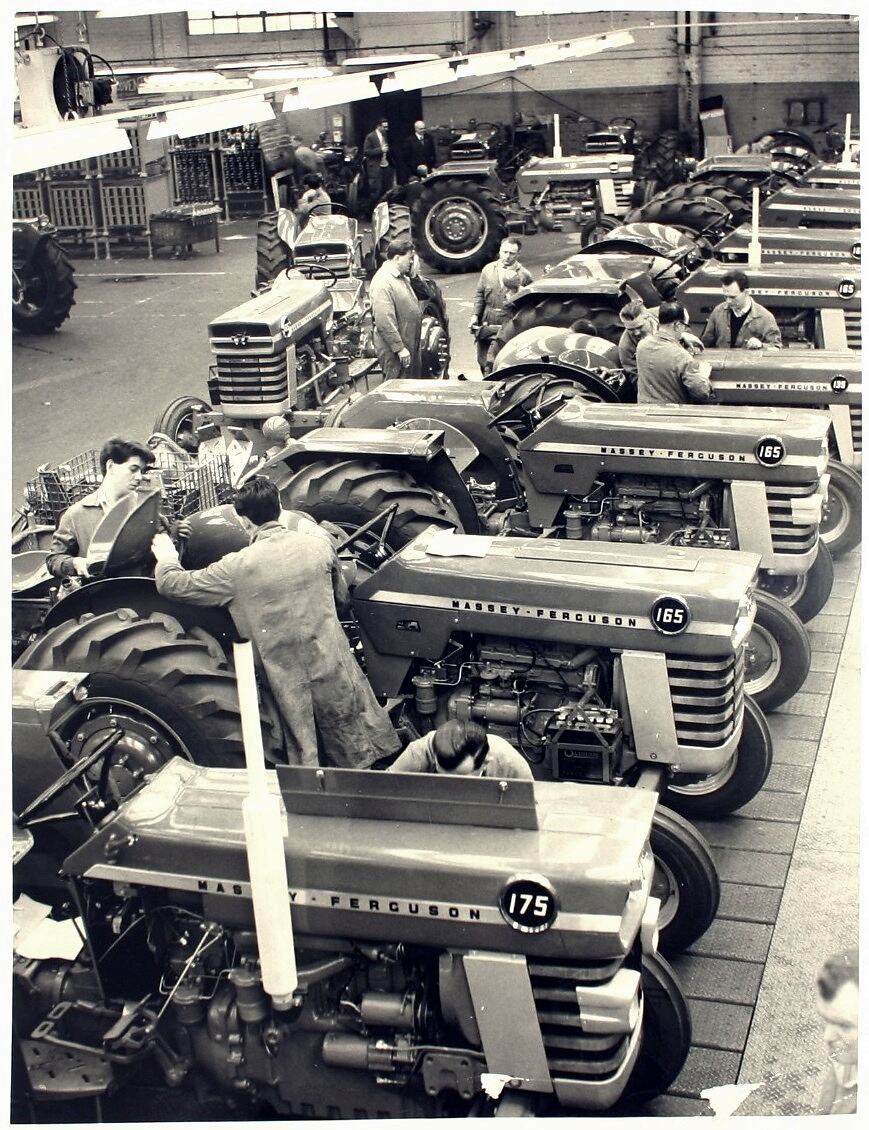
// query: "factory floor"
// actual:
[[137, 338]]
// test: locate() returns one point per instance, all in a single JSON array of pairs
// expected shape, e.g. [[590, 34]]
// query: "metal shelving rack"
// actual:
[[196, 170], [132, 185], [244, 181]]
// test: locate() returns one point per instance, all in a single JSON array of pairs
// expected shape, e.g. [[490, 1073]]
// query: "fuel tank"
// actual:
[[792, 245], [813, 286], [801, 376], [394, 857], [572, 447], [562, 592], [806, 206]]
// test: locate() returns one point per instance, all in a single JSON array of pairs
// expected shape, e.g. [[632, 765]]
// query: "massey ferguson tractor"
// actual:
[[511, 970], [161, 675]]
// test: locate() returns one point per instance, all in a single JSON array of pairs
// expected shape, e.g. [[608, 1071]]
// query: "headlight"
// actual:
[[744, 621]]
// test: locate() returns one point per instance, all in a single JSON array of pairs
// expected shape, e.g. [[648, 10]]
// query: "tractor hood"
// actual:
[[552, 344], [291, 309], [334, 234], [378, 856], [573, 445], [809, 376], [793, 244], [837, 175], [798, 205], [569, 593], [759, 164], [539, 172], [813, 285]]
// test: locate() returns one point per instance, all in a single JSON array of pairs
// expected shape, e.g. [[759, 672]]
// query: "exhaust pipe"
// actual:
[[264, 842]]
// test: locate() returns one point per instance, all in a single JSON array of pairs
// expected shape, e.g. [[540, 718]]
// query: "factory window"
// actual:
[[208, 22]]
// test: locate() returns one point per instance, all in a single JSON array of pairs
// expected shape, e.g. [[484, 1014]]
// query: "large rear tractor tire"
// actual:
[[47, 291], [695, 216], [176, 421], [686, 881], [739, 210], [804, 593], [458, 225], [173, 692], [842, 522], [778, 654], [736, 783], [351, 492], [553, 311], [666, 1036], [272, 255], [664, 158]]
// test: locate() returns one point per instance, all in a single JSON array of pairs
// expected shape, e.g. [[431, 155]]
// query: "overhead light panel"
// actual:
[[419, 75], [179, 82], [73, 141], [580, 48], [489, 63], [329, 92], [192, 120]]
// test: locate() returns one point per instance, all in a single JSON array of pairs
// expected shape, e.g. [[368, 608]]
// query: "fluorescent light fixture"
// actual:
[[73, 141], [177, 82], [129, 69], [372, 62], [329, 92], [489, 63], [579, 48], [260, 64], [189, 121], [36, 19], [274, 75], [419, 75], [538, 56]]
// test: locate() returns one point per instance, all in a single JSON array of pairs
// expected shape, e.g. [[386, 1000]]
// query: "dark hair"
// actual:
[[397, 247], [455, 740], [672, 312], [738, 277], [383, 122], [258, 499], [122, 450], [837, 971], [312, 180], [517, 243], [632, 310]]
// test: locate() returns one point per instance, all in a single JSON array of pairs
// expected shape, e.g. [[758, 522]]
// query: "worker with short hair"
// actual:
[[122, 463], [462, 749], [739, 322], [379, 170], [314, 199], [637, 322], [283, 592], [499, 281], [417, 150], [396, 311], [666, 371]]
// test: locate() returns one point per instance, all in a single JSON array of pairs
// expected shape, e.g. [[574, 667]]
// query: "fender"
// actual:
[[140, 594], [26, 242], [420, 453]]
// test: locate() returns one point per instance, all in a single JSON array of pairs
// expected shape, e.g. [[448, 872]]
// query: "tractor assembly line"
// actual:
[[627, 593]]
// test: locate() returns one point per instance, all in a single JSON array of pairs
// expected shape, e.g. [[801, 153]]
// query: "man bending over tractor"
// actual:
[[463, 749], [282, 591]]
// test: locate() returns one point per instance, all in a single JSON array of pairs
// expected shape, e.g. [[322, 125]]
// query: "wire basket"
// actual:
[[191, 484], [57, 486]]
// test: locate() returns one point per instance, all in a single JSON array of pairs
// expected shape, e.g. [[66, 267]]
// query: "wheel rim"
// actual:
[[457, 227], [435, 347], [763, 660], [836, 516], [665, 888], [147, 744], [788, 587], [692, 785], [32, 295]]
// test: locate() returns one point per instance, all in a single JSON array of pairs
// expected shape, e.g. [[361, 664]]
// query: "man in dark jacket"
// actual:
[[417, 150], [379, 170], [666, 372], [739, 322], [283, 592]]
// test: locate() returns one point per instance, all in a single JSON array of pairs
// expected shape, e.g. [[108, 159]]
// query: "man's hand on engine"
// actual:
[[81, 566], [692, 343], [163, 549], [754, 343], [404, 357]]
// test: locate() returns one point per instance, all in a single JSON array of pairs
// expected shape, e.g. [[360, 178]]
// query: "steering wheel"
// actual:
[[334, 209], [307, 270]]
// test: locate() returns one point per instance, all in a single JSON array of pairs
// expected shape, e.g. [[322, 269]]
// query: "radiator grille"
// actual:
[[853, 333], [570, 1052], [856, 413], [788, 536], [706, 695], [247, 379]]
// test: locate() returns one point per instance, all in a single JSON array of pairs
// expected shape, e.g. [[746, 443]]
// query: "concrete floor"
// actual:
[[138, 337]]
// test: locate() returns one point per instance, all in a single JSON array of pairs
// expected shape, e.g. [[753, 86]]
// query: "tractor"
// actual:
[[43, 278], [161, 674], [512, 970]]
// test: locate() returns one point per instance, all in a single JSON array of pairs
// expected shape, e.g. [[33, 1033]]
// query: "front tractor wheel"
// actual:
[[686, 881], [737, 782], [778, 653], [666, 1036], [272, 254], [176, 421], [171, 692], [458, 225], [842, 522]]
